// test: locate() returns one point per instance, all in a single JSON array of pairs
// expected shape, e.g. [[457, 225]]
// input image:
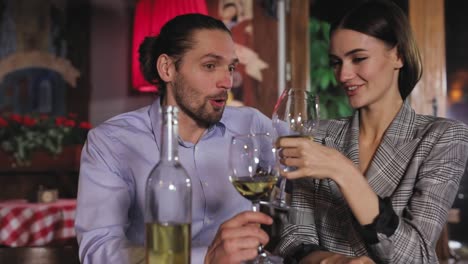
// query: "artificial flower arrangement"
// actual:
[[21, 135]]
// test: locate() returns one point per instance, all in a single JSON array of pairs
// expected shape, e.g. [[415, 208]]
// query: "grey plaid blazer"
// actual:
[[419, 165]]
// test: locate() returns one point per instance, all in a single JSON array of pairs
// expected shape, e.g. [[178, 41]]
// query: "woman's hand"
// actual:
[[312, 159], [321, 162], [323, 257], [340, 259], [238, 238]]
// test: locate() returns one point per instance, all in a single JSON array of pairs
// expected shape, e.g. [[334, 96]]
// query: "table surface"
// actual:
[[36, 224]]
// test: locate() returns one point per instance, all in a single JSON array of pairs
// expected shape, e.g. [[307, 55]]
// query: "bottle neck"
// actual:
[[170, 129]]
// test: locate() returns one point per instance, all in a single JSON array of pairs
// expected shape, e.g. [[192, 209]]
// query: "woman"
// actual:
[[375, 187]]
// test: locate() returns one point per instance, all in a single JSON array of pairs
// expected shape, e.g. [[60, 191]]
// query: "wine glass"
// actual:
[[296, 114], [254, 173]]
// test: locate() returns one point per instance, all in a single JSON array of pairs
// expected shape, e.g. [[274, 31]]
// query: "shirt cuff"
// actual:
[[385, 223]]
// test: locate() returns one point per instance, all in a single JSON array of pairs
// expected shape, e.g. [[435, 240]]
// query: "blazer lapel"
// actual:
[[391, 157], [394, 153], [344, 138]]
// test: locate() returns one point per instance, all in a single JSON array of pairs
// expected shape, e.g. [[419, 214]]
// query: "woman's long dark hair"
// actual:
[[384, 20]]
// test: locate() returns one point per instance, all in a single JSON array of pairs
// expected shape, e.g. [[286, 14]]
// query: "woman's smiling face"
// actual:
[[365, 67]]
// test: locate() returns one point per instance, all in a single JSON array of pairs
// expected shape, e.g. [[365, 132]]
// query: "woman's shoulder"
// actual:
[[334, 128], [334, 124], [448, 127]]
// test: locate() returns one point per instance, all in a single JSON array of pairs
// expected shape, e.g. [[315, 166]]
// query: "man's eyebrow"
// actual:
[[219, 57]]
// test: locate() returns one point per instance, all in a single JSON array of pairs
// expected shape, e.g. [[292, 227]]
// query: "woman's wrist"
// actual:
[[345, 172]]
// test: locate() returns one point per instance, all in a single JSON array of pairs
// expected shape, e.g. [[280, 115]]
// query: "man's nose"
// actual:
[[226, 80]]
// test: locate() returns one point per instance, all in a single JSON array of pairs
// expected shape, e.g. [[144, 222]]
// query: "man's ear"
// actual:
[[165, 68]]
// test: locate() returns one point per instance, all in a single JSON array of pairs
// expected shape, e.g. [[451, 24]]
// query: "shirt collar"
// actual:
[[155, 112]]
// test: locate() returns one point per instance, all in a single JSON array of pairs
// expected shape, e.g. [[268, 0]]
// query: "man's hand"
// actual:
[[238, 238]]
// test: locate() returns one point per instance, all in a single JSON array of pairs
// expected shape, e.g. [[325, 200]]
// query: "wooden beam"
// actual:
[[297, 44], [428, 23]]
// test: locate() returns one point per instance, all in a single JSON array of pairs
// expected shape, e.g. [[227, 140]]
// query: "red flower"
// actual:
[[18, 134], [28, 121], [69, 123], [3, 122], [17, 118], [85, 125], [60, 120]]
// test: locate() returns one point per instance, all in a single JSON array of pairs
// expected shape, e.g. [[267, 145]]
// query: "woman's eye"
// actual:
[[359, 59], [232, 68], [334, 63]]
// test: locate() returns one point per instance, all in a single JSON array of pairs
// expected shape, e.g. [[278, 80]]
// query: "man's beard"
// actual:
[[194, 105]]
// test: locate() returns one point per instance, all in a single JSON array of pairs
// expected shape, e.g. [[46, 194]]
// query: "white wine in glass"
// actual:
[[256, 187]]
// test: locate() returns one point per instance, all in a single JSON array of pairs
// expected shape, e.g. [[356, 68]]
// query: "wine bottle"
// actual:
[[168, 205]]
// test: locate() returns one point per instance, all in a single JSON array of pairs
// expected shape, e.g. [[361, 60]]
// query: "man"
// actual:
[[191, 61]]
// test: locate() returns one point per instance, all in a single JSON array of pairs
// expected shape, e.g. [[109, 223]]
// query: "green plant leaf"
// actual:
[[333, 103]]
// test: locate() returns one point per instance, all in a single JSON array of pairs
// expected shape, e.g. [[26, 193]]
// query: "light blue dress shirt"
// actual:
[[116, 161]]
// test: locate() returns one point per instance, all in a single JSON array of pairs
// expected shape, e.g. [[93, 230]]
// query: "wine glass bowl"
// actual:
[[296, 114], [252, 165]]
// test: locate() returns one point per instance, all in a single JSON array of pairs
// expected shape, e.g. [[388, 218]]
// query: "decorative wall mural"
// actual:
[[34, 71], [237, 15]]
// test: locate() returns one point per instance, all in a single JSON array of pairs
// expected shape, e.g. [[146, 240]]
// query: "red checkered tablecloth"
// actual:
[[36, 224]]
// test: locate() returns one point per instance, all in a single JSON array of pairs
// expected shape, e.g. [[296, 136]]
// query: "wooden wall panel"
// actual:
[[266, 45], [297, 44], [264, 42], [428, 23], [78, 36]]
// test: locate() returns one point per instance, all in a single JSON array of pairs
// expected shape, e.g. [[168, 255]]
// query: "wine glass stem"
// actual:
[[261, 250], [282, 195], [256, 206]]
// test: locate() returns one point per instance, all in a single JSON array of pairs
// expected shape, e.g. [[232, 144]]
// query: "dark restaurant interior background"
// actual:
[[98, 37]]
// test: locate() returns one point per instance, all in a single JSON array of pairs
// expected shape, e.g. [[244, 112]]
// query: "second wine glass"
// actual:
[[253, 172], [296, 114]]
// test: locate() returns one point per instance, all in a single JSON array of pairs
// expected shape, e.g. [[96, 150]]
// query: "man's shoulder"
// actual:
[[244, 118], [240, 110], [232, 114], [136, 121]]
